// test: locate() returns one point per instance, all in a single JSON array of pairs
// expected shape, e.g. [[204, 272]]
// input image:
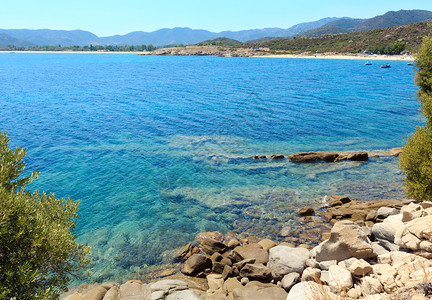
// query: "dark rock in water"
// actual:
[[211, 246], [306, 211], [195, 264], [259, 157], [186, 252], [256, 272], [357, 156], [327, 156], [277, 156], [334, 200]]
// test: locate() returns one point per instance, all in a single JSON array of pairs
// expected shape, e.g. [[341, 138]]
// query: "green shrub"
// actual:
[[416, 157], [38, 251]]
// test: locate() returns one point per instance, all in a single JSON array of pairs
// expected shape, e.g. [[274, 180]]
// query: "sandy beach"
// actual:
[[344, 56]]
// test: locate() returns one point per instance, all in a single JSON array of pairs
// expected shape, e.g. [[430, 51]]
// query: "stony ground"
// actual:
[[375, 250]]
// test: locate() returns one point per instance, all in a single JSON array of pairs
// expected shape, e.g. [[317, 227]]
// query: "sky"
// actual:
[[110, 17]]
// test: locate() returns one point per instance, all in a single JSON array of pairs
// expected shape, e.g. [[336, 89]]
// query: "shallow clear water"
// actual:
[[154, 146]]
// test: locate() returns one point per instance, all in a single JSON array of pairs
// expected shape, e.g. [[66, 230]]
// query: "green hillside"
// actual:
[[389, 19], [378, 39], [220, 41]]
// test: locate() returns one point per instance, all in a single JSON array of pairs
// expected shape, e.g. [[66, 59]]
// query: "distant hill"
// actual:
[[221, 41], [252, 34], [45, 37], [7, 40], [161, 37], [355, 42], [389, 19], [395, 18], [184, 35], [264, 39]]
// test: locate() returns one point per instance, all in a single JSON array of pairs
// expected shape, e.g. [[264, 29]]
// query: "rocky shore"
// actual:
[[375, 250], [208, 51], [224, 51]]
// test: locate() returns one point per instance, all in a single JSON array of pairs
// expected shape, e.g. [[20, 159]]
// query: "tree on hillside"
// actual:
[[38, 250], [416, 158]]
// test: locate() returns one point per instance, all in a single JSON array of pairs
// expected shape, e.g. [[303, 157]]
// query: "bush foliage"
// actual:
[[416, 158], [38, 251]]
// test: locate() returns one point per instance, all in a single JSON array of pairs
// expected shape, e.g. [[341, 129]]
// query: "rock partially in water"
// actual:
[[195, 264], [214, 235], [306, 211], [327, 156], [186, 252]]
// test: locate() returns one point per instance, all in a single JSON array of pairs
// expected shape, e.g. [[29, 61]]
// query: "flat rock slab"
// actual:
[[253, 251], [327, 156]]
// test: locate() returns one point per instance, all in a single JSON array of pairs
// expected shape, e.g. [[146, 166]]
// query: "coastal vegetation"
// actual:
[[416, 158], [389, 19], [381, 41], [76, 48], [222, 41], [38, 250]]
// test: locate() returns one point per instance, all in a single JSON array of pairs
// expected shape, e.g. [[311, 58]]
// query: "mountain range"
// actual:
[[389, 19], [184, 35]]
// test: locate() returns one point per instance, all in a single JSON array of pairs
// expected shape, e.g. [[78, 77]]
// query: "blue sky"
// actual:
[[108, 17]]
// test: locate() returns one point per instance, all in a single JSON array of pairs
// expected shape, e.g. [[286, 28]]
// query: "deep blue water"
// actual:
[[154, 146]]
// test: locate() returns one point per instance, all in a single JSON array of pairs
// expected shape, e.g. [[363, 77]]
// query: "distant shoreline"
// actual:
[[78, 52], [317, 56]]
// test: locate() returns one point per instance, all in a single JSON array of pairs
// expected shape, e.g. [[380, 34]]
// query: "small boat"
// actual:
[[410, 64], [385, 66], [368, 63]]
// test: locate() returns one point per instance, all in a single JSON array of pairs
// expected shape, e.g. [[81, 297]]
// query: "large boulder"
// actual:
[[186, 252], [195, 264], [256, 272], [387, 229], [412, 211], [416, 234], [253, 251], [211, 246], [339, 278], [186, 295], [256, 291], [134, 290], [384, 212], [347, 239], [310, 290], [214, 235], [285, 259]]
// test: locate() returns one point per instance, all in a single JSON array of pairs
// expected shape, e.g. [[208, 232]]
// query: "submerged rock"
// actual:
[[306, 211]]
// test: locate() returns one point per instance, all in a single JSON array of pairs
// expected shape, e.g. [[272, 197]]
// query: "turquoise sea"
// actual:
[[156, 147]]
